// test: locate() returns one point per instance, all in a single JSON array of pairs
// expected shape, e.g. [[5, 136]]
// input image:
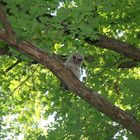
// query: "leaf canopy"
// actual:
[[30, 94]]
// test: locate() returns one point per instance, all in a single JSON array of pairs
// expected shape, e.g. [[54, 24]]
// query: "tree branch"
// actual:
[[92, 97], [118, 46], [13, 65]]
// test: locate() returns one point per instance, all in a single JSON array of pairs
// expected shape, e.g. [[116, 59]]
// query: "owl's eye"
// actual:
[[80, 59], [74, 57]]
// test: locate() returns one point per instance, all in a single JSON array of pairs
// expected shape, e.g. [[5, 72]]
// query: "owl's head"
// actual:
[[77, 59]]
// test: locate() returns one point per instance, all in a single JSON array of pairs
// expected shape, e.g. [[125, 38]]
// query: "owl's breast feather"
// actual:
[[75, 69]]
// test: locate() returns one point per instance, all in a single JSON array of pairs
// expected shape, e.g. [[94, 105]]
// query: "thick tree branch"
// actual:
[[118, 46], [92, 97]]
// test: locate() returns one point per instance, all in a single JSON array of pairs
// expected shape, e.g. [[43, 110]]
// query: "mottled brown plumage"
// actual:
[[74, 63]]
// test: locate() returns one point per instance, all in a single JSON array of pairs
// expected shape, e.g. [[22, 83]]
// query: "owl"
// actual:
[[74, 63]]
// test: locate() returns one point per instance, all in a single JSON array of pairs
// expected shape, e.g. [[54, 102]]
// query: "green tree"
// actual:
[[106, 105]]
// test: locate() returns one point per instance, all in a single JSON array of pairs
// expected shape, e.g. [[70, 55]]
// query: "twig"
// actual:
[[23, 81], [13, 65]]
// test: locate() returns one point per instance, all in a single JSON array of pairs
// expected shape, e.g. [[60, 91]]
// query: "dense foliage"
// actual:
[[32, 103]]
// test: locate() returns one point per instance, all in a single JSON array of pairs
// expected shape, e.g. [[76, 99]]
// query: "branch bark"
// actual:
[[92, 97], [118, 46]]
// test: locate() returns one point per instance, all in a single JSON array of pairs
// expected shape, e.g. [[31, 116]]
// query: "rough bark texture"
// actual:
[[52, 63]]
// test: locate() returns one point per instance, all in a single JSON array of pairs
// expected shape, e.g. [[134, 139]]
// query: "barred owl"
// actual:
[[74, 63]]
